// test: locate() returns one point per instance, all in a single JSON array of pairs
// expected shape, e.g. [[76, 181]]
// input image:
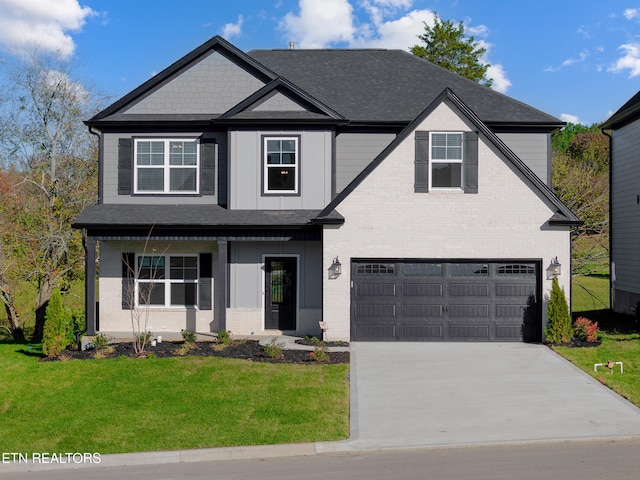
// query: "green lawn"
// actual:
[[129, 405], [620, 338]]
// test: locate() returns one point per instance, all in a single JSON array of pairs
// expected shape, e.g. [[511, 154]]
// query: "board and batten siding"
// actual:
[[110, 172], [534, 149], [625, 216], [246, 284], [246, 171], [354, 151]]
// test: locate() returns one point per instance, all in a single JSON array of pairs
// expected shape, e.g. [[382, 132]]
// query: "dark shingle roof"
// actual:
[[205, 216], [389, 85], [625, 114]]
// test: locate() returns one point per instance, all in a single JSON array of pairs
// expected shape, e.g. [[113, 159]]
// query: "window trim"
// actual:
[[166, 166], [167, 281], [265, 191], [433, 161]]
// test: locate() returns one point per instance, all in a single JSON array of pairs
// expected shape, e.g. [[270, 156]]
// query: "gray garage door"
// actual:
[[455, 301]]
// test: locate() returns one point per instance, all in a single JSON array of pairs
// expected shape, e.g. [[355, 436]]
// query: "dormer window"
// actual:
[[166, 166], [281, 159]]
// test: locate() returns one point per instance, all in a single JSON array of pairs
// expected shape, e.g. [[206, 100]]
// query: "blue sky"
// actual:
[[578, 60]]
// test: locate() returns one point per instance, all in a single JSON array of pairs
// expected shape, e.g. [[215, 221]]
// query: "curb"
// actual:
[[170, 457]]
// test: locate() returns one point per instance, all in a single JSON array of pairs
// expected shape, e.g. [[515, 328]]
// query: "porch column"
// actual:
[[221, 286], [90, 284]]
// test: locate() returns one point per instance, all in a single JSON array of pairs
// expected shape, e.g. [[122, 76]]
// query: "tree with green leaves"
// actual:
[[446, 45], [54, 159], [558, 329]]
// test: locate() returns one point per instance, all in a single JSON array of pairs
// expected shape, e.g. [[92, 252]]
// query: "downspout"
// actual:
[[98, 133], [610, 218]]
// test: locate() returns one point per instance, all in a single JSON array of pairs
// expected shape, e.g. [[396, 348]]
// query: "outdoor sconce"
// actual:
[[554, 269], [335, 270]]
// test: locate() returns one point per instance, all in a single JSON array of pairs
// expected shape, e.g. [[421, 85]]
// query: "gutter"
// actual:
[[98, 133]]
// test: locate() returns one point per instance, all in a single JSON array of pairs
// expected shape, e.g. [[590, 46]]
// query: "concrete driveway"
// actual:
[[434, 394]]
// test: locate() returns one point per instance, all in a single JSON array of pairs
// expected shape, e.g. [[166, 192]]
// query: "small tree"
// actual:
[[56, 326], [558, 329], [446, 45]]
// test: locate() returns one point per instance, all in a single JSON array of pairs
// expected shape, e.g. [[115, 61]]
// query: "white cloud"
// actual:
[[319, 24], [233, 29], [500, 81], [27, 25], [583, 55], [631, 13], [566, 117], [630, 61], [401, 33]]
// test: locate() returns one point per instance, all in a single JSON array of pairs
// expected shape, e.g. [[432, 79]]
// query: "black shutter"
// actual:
[[128, 280], [421, 181], [208, 166], [204, 287], [470, 162], [125, 165]]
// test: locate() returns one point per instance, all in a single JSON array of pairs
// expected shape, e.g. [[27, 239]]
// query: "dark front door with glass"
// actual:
[[280, 295]]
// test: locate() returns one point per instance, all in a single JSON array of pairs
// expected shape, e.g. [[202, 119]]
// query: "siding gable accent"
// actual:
[[421, 183], [470, 162], [204, 282], [563, 215], [125, 165], [208, 154], [128, 280]]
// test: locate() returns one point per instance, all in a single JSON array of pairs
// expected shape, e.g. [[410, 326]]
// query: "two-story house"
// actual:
[[624, 206], [268, 191]]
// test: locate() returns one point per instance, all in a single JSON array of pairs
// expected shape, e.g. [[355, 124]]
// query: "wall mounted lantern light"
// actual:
[[335, 269], [554, 269]]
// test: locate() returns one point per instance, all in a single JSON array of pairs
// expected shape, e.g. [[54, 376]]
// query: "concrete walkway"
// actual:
[[407, 395]]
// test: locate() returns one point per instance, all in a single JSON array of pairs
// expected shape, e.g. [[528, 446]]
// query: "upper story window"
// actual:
[[281, 164], [166, 166], [446, 160]]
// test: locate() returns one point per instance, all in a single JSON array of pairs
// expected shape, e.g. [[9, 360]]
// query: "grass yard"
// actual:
[[130, 405], [620, 338]]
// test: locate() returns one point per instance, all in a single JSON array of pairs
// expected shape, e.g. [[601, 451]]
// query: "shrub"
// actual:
[[273, 349], [101, 341], [144, 339], [586, 330], [189, 336], [56, 326], [224, 337], [558, 329], [319, 354]]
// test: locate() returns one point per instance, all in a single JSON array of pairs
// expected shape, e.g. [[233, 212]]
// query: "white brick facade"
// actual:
[[384, 218]]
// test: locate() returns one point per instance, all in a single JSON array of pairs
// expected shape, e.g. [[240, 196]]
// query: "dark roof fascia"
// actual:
[[216, 42], [288, 86], [270, 121], [156, 122], [484, 129], [622, 118], [501, 127]]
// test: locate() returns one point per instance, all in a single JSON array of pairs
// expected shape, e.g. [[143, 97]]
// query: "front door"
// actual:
[[280, 295]]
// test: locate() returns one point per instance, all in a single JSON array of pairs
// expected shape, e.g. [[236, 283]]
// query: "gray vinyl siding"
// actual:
[[246, 273], [110, 172], [213, 85], [354, 151], [625, 208], [246, 170], [534, 149]]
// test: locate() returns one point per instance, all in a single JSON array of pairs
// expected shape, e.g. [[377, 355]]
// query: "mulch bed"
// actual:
[[245, 349]]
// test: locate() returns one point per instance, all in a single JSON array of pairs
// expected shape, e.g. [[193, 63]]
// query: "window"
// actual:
[[375, 269], [166, 166], [281, 164], [446, 160], [516, 269], [469, 269], [167, 280]]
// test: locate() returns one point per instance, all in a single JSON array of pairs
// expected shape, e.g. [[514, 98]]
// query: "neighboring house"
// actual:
[[247, 179], [624, 222]]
